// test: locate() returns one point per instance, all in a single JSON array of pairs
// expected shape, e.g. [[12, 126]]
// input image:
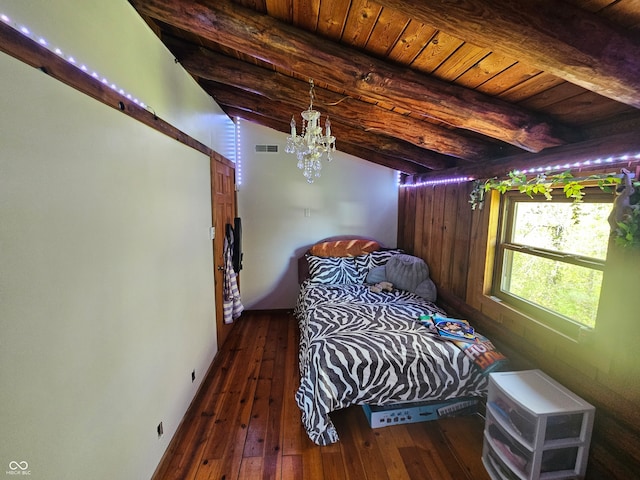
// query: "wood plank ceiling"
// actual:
[[418, 86]]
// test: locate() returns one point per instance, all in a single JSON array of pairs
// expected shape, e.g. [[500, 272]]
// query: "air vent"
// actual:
[[267, 148]]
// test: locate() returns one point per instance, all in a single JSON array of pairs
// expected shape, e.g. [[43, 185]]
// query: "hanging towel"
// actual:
[[232, 304]]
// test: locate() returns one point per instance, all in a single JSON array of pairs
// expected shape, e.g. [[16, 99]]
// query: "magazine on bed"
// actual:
[[455, 329], [478, 347]]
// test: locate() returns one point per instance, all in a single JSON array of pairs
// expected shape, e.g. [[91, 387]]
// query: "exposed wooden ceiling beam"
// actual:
[[551, 35], [287, 47], [206, 64], [615, 146], [280, 112], [352, 149]]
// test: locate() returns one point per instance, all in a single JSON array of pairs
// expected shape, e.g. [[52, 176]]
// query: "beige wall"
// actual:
[[106, 281], [351, 197]]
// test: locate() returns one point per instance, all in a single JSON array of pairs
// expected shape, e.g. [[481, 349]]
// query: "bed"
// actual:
[[362, 346]]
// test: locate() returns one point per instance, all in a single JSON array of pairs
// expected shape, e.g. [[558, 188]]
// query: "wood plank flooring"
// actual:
[[244, 424]]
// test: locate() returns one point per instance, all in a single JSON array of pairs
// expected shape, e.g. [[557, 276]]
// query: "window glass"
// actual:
[[570, 290], [579, 229], [551, 258]]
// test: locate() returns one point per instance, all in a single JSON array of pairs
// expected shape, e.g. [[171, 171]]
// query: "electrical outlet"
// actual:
[[160, 430], [193, 376]]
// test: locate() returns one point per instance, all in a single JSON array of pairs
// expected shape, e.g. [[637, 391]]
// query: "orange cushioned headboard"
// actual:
[[344, 248]]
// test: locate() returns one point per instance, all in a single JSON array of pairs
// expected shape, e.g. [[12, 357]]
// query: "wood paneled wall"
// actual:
[[437, 224]]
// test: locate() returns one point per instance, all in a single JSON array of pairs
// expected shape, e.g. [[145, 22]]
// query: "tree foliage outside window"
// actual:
[[551, 258], [568, 290]]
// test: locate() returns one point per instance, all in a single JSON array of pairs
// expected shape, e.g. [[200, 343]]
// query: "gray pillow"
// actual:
[[427, 290], [406, 272], [377, 274]]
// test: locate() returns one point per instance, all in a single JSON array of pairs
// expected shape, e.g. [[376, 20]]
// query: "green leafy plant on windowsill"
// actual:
[[626, 230]]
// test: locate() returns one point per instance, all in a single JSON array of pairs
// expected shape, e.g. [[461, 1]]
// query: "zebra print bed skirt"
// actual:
[[359, 347]]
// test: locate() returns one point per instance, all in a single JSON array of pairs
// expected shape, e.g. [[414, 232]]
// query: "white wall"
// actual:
[[351, 197], [106, 277], [111, 39]]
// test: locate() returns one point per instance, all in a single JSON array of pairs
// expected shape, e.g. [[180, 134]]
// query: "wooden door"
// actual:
[[223, 208]]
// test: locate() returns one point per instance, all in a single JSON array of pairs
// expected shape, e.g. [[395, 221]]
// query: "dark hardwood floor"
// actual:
[[245, 424]]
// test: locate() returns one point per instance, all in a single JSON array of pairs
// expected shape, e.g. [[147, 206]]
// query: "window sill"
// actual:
[[586, 352], [511, 315]]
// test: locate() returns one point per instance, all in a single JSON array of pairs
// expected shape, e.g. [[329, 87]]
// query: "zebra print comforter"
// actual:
[[360, 347]]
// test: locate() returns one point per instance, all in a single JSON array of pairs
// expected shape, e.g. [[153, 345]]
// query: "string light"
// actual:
[[536, 170], [238, 162], [24, 30], [438, 181], [586, 163]]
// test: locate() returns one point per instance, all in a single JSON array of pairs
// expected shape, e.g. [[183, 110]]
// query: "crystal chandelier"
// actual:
[[312, 144]]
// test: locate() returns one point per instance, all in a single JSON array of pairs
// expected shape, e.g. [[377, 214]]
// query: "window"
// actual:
[[551, 256]]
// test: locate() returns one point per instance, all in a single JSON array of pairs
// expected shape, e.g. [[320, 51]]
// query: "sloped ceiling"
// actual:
[[419, 86]]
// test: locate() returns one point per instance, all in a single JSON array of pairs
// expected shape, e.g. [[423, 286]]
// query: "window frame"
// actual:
[[504, 243]]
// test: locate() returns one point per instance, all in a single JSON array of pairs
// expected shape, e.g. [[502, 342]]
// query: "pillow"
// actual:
[[377, 274], [344, 248], [381, 257], [427, 290], [364, 263], [406, 272], [339, 270]]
